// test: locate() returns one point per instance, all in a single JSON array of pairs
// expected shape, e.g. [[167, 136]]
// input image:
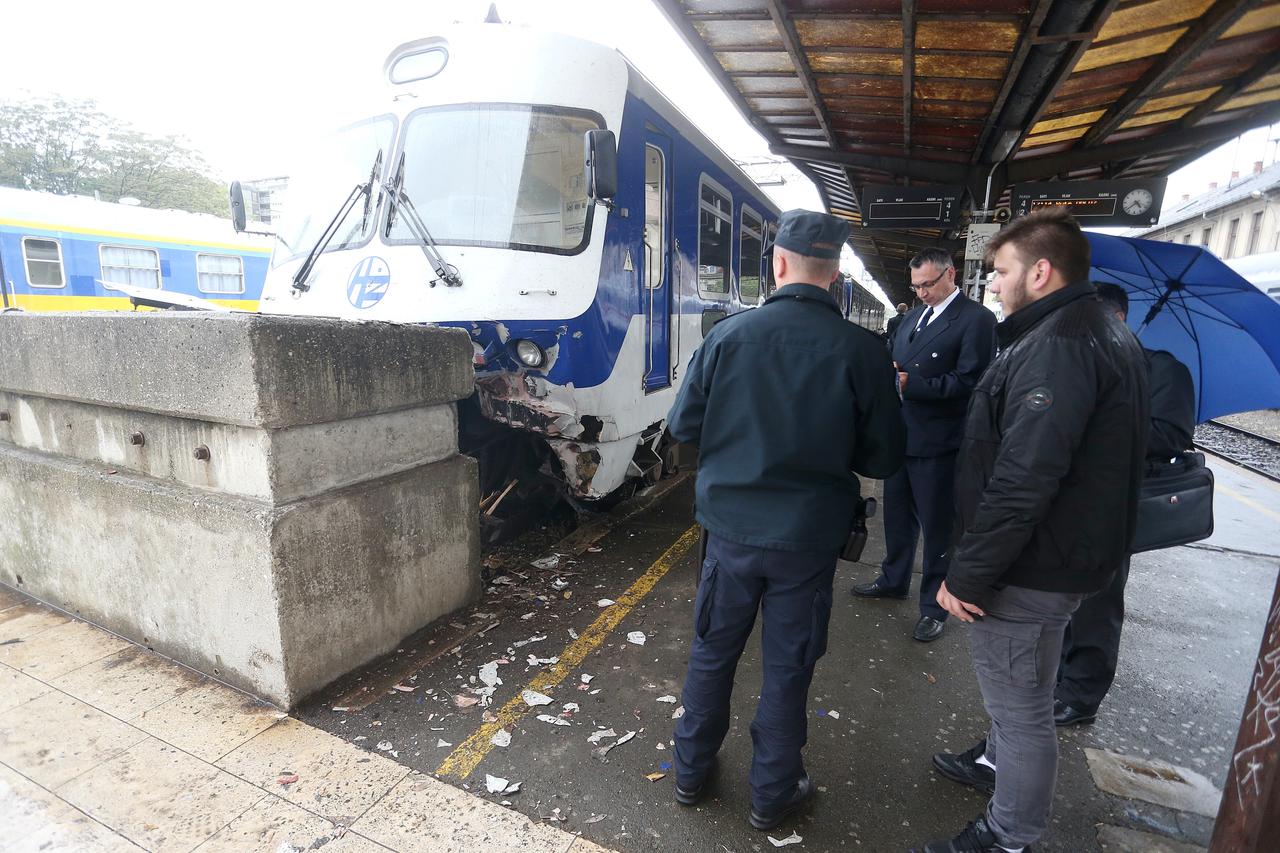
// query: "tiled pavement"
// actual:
[[107, 746]]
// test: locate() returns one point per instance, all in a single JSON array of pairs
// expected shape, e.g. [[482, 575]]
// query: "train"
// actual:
[[75, 253], [537, 191]]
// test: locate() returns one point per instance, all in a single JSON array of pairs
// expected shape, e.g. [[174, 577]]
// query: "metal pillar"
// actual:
[[1249, 817]]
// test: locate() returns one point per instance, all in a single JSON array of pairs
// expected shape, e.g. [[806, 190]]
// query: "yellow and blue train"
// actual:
[[73, 253]]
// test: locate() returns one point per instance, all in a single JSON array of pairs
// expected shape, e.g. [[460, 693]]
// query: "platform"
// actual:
[[1195, 618]]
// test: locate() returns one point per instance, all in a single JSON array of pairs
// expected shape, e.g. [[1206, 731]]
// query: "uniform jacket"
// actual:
[[785, 403], [943, 364], [1047, 477]]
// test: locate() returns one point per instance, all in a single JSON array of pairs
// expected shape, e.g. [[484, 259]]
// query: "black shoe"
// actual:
[[928, 629], [691, 796], [977, 837], [965, 769], [878, 588], [801, 795], [1068, 715]]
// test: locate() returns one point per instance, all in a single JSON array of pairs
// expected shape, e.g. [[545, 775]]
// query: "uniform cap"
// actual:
[[815, 235]]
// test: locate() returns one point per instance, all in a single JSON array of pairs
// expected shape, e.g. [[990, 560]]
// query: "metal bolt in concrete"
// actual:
[[202, 453], [137, 439]]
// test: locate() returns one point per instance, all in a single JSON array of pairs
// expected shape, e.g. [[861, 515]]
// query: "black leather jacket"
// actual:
[[1048, 472]]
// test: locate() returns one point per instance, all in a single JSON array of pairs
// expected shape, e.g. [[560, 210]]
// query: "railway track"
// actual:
[[1258, 453]]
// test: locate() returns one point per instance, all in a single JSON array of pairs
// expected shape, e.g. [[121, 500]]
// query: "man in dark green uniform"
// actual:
[[786, 403]]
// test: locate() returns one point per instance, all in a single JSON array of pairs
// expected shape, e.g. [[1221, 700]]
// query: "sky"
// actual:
[[249, 83]]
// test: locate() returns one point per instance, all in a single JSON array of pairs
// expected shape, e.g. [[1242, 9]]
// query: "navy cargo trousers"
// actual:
[[792, 591]]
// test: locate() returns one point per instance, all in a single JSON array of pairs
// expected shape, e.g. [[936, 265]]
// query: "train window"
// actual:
[[507, 176], [751, 241], [715, 241], [654, 208], [131, 265], [44, 262], [219, 273]]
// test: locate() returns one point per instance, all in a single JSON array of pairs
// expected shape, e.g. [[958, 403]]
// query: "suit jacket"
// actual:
[[943, 364]]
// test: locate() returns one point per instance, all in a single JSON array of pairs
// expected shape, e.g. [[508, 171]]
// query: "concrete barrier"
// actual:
[[273, 501]]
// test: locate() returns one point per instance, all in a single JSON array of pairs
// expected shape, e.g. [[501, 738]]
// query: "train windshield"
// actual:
[[501, 175], [323, 183]]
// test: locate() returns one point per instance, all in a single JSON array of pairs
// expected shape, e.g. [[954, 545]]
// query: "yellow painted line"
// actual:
[[22, 225], [54, 302], [468, 755], [1249, 502]]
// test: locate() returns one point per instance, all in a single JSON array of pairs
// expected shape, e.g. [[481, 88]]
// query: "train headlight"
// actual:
[[530, 354]]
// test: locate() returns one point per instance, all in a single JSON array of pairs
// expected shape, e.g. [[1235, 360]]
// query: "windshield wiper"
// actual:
[[366, 189], [445, 271]]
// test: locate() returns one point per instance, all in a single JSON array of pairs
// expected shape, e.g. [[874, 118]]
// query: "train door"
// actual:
[[655, 273]]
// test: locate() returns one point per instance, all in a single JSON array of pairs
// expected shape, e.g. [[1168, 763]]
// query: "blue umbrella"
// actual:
[[1185, 300]]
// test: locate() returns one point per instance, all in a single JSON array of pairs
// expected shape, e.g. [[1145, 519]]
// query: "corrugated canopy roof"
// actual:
[[860, 92]]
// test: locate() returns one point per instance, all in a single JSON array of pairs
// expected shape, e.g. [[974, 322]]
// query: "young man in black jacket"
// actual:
[[1046, 495]]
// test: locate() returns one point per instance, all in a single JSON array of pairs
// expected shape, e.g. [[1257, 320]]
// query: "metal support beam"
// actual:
[[1039, 168], [1249, 816], [1200, 35], [925, 170], [1029, 38], [1267, 65], [908, 69], [911, 241]]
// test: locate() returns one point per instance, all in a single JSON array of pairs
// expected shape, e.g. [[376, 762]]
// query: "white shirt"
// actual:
[[939, 308]]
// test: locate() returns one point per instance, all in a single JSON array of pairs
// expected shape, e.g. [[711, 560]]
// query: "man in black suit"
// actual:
[[891, 328], [941, 349]]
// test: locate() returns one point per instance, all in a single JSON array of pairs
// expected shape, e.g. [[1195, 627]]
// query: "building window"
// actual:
[[1255, 233], [1229, 250], [1186, 238], [129, 265], [750, 243], [769, 284], [219, 274], [1205, 235], [715, 241], [44, 262]]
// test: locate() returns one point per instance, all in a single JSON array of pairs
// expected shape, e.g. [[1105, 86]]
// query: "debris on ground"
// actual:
[[585, 679], [606, 602], [287, 779], [461, 700], [601, 735], [603, 751], [573, 635], [595, 818], [669, 699], [498, 785], [441, 743], [518, 643], [534, 660], [790, 839], [533, 698], [636, 637], [654, 777], [501, 738], [571, 707], [555, 721], [403, 688], [933, 679], [559, 583], [677, 713], [835, 715], [546, 562]]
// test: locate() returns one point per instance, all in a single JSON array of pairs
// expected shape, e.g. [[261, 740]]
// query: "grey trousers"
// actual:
[[1016, 648]]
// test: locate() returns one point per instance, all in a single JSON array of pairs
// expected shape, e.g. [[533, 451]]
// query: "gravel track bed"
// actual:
[[1261, 454]]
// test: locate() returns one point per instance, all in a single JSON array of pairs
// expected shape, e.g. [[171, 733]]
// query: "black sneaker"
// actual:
[[977, 837], [689, 796], [801, 795], [965, 769]]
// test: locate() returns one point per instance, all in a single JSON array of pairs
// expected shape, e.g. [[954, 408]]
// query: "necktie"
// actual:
[[924, 321]]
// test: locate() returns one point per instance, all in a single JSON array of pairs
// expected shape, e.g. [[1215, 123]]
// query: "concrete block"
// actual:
[[245, 369], [277, 599]]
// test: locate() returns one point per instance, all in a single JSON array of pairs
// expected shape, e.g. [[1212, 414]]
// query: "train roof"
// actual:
[[82, 214]]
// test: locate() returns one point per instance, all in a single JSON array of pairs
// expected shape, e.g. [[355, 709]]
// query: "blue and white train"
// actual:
[[537, 191], [72, 253]]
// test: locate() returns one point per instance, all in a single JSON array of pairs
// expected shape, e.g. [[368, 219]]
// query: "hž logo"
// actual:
[[369, 282]]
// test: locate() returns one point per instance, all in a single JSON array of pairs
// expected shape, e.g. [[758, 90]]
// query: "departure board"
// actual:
[[910, 207], [1095, 203]]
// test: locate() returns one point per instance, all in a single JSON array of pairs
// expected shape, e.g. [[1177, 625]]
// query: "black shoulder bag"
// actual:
[[1175, 503]]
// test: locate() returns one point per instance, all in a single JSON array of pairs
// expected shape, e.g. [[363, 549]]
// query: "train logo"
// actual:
[[369, 282]]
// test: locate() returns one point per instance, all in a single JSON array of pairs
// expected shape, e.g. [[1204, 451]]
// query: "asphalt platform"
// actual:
[[880, 706]]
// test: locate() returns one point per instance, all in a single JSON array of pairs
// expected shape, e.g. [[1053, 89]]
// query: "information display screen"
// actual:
[[909, 207], [1095, 203]]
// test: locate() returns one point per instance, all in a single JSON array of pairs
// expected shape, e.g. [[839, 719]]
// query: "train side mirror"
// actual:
[[602, 165], [237, 207]]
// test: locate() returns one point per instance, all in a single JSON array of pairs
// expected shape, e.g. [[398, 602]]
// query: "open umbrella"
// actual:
[[1185, 300]]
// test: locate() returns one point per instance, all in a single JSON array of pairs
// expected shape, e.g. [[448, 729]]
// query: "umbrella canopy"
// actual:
[[1185, 300]]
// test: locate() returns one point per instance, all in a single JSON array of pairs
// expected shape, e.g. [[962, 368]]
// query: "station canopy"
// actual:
[[862, 93]]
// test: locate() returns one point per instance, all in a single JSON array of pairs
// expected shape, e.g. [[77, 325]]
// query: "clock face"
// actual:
[[1137, 202]]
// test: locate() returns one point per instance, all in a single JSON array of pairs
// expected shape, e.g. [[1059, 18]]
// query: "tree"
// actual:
[[69, 147]]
